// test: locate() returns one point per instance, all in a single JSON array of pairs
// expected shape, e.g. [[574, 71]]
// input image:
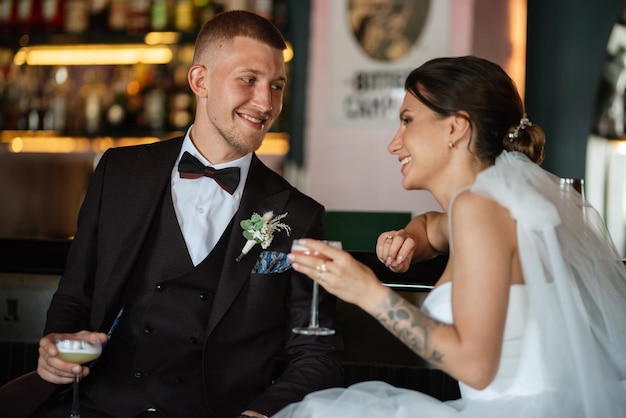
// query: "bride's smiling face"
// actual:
[[420, 143]]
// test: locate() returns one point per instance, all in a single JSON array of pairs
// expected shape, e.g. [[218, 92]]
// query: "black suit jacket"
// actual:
[[250, 324]]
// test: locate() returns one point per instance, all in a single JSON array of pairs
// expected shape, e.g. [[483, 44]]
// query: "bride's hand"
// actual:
[[395, 249], [338, 272]]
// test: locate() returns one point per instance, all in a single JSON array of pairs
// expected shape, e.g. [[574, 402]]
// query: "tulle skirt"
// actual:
[[381, 400]]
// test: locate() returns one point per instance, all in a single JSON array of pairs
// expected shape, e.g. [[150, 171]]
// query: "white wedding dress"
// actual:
[[564, 348]]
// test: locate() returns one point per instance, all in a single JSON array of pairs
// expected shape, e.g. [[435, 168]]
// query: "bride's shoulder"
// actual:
[[468, 201], [476, 213]]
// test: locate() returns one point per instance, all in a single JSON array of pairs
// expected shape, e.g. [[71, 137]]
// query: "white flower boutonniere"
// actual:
[[260, 230]]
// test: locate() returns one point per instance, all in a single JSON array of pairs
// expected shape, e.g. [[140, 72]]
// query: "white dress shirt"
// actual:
[[203, 208]]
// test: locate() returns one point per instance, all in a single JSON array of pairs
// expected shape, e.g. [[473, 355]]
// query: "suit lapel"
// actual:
[[263, 192]]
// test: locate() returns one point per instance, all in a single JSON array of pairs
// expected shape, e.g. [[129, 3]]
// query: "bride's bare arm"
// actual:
[[411, 326], [482, 266], [481, 271], [423, 238]]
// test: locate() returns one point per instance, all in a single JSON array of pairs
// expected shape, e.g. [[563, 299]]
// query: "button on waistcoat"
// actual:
[[154, 358]]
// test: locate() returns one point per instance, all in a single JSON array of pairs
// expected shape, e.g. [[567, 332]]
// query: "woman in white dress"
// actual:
[[530, 313]]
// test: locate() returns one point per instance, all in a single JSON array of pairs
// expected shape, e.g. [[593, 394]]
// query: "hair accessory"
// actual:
[[523, 123]]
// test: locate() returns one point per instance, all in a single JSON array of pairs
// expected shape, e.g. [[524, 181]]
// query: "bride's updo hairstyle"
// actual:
[[483, 90]]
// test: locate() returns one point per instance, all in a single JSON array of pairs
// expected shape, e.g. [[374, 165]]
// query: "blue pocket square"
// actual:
[[271, 262]]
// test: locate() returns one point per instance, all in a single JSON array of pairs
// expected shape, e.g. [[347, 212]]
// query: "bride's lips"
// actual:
[[404, 161]]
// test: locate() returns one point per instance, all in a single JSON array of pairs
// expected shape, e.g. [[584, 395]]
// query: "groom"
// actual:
[[194, 332]]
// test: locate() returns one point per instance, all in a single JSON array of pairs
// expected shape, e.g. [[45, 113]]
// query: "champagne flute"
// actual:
[[76, 349], [314, 327]]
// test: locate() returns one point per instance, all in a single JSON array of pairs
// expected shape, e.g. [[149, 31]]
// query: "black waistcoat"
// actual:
[[154, 357]]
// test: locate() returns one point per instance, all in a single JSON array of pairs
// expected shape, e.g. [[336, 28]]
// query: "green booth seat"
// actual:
[[358, 230]]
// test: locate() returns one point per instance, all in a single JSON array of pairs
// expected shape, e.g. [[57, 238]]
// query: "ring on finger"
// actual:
[[322, 268], [389, 237]]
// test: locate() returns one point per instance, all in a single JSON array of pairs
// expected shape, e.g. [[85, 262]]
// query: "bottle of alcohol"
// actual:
[[99, 15], [138, 16], [205, 10], [76, 16], [162, 15], [155, 102], [92, 100], [117, 114], [52, 16], [181, 100], [7, 22], [28, 104], [58, 89], [13, 94], [118, 15], [27, 15], [184, 19]]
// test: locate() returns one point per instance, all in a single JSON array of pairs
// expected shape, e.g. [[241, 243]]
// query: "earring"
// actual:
[[450, 145]]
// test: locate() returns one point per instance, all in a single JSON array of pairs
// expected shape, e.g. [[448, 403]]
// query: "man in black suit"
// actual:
[[195, 332]]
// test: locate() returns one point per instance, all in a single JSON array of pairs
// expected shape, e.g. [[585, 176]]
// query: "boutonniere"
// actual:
[[260, 230]]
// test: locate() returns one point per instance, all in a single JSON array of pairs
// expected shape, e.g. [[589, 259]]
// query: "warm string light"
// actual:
[[50, 142], [98, 54]]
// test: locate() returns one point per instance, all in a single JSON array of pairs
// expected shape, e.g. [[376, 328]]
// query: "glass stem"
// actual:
[[314, 314], [75, 413]]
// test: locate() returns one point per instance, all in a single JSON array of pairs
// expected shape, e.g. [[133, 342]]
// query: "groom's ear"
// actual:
[[197, 77]]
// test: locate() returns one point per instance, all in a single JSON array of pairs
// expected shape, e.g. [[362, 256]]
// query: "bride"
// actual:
[[530, 313]]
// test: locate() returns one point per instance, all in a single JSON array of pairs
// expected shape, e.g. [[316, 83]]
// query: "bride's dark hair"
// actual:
[[482, 89]]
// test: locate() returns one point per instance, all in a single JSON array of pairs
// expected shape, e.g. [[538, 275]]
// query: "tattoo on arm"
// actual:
[[411, 326]]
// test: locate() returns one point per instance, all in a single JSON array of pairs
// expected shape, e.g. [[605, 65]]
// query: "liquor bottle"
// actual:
[[92, 100], [7, 17], [181, 100], [58, 89], [205, 10], [155, 102], [184, 19], [116, 114], [34, 118], [28, 104], [76, 16], [99, 15], [162, 15], [138, 16], [27, 15], [13, 93], [138, 77], [118, 15], [52, 16]]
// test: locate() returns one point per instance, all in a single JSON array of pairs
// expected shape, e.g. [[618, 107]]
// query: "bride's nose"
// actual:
[[395, 144]]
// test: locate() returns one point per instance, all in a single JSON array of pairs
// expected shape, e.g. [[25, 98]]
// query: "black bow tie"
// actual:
[[190, 167]]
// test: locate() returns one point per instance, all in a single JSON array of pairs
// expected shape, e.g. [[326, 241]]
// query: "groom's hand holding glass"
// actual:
[[52, 368]]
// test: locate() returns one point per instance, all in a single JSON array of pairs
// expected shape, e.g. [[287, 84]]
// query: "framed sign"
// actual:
[[360, 54]]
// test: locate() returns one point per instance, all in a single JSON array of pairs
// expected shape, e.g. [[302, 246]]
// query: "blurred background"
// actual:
[[80, 76]]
